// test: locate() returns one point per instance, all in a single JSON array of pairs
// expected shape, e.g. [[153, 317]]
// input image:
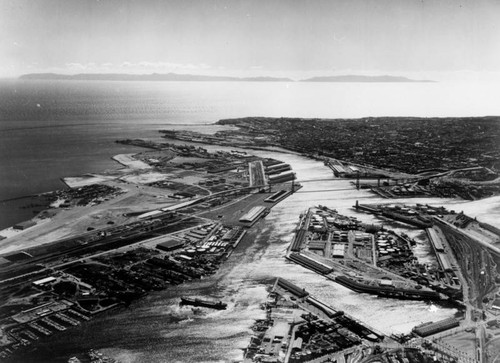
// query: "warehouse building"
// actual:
[[338, 250], [170, 245], [436, 327], [253, 215], [435, 240], [288, 286], [282, 177], [24, 225], [444, 261]]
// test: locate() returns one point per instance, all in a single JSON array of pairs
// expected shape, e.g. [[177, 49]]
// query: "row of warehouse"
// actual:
[[282, 177], [310, 263], [277, 168], [444, 261], [340, 169], [435, 240], [290, 287], [298, 240], [206, 239], [276, 197], [437, 243]]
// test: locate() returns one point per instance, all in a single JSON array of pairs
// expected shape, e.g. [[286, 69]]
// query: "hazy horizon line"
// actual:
[[295, 75], [348, 77]]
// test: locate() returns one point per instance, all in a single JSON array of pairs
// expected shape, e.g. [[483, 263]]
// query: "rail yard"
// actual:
[[174, 214], [375, 260]]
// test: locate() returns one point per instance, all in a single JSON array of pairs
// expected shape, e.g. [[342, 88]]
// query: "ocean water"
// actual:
[[49, 130], [156, 329]]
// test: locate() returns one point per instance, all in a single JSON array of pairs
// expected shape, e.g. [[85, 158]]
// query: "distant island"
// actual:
[[365, 79], [175, 77]]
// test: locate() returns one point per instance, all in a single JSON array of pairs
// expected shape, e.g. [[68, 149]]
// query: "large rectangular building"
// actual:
[[278, 166], [338, 168], [436, 327], [290, 287], [435, 240], [444, 262], [282, 177], [338, 250], [253, 214], [278, 169], [24, 225], [170, 245]]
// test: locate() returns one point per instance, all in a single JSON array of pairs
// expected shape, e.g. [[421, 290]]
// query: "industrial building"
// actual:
[[278, 168], [282, 177], [253, 215], [435, 240], [310, 263], [234, 236], [170, 245], [324, 308], [297, 241], [338, 250], [294, 289], [444, 261], [44, 281], [276, 197], [337, 168], [317, 245], [436, 327], [24, 225]]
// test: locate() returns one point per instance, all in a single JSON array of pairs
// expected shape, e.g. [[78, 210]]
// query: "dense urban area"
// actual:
[[448, 157], [391, 143], [176, 212]]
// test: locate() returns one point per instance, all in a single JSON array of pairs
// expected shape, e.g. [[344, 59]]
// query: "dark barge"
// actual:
[[219, 305]]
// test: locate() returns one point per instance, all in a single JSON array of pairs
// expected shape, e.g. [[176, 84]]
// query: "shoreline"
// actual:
[[26, 196], [133, 238], [282, 152], [130, 162]]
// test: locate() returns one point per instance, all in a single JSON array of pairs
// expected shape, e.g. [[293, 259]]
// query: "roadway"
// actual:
[[256, 173]]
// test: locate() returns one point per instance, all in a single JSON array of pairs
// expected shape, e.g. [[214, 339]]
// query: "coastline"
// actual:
[[227, 282], [21, 205], [130, 162]]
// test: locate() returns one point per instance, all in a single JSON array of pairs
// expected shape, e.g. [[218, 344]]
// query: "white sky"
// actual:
[[429, 39]]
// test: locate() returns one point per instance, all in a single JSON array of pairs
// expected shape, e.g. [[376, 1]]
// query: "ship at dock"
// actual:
[[368, 259], [219, 305]]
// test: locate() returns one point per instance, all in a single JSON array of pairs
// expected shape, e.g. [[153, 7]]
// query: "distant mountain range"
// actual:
[[354, 78], [198, 78]]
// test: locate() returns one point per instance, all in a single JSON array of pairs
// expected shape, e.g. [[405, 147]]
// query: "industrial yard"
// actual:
[[364, 258], [371, 259], [170, 216], [175, 213], [300, 328]]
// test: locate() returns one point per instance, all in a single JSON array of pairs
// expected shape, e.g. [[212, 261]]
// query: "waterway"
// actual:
[[157, 329], [49, 130], [54, 129]]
